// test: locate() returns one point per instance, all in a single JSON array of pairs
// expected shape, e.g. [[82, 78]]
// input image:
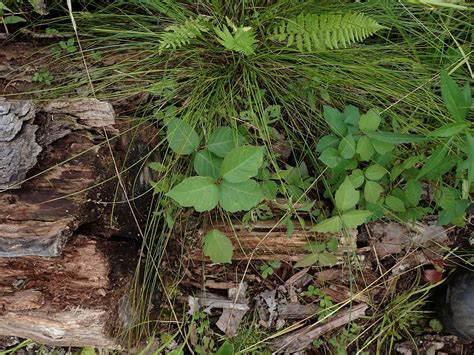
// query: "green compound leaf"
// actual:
[[395, 204], [365, 148], [322, 259], [347, 147], [330, 157], [370, 121], [222, 141], [413, 192], [375, 172], [240, 196], [434, 161], [382, 147], [335, 120], [207, 164], [181, 137], [242, 163], [218, 247], [357, 178], [353, 219], [346, 196], [372, 191], [330, 225], [327, 142], [199, 192]]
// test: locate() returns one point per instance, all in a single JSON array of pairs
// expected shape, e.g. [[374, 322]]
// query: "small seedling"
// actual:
[[267, 269], [43, 76]]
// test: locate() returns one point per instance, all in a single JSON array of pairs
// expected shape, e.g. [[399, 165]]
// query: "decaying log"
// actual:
[[265, 240], [72, 300]]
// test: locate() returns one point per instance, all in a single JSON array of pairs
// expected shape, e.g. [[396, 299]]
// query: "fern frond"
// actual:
[[179, 35], [312, 32], [242, 40]]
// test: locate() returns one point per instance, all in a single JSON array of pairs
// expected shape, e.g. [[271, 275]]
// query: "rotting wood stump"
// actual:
[[64, 278]]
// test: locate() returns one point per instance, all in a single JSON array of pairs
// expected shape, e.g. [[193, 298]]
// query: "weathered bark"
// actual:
[[63, 279], [265, 240], [72, 300]]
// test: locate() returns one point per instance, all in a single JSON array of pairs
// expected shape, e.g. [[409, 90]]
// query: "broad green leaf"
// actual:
[[226, 349], [156, 166], [351, 115], [269, 189], [372, 191], [453, 97], [327, 142], [347, 147], [449, 130], [375, 172], [335, 120], [327, 259], [218, 247], [396, 138], [332, 244], [436, 158], [199, 192], [365, 149], [382, 147], [357, 178], [181, 137], [470, 157], [315, 247], [370, 121], [457, 209], [346, 196], [308, 260], [207, 164], [222, 141], [330, 157], [241, 196], [330, 225], [395, 204], [413, 192], [242, 163], [11, 20], [353, 219]]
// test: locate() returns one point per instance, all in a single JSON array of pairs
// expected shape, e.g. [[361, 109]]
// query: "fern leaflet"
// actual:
[[242, 40], [312, 32], [178, 35]]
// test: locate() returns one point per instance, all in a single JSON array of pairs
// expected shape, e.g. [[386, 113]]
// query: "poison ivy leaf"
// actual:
[[327, 142], [218, 247], [396, 138], [199, 192], [365, 149], [375, 172], [330, 225], [453, 98], [346, 196], [315, 247], [322, 259], [457, 209], [327, 259], [330, 158], [308, 260], [242, 163], [413, 192], [372, 191], [241, 196], [351, 115], [449, 130], [347, 147], [335, 120], [181, 137], [382, 147], [353, 219], [357, 178], [433, 162], [370, 121], [222, 141], [395, 204], [470, 158], [207, 164], [332, 244]]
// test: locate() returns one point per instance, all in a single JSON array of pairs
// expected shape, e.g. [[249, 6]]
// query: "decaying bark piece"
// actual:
[[64, 189], [71, 300], [265, 240]]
